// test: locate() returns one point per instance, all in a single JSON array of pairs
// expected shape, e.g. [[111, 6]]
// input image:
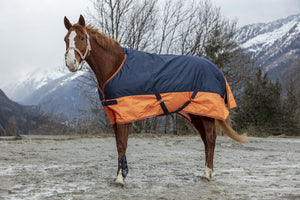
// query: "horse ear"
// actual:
[[68, 25], [81, 20]]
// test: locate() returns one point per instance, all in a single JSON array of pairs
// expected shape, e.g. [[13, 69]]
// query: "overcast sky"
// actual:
[[32, 31]]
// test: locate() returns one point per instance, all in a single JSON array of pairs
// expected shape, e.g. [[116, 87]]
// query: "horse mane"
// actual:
[[102, 39]]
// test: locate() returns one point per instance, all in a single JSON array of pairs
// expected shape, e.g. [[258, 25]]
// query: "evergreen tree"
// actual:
[[261, 106], [291, 109]]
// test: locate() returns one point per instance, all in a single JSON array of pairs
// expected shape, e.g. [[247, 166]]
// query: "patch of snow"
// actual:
[[268, 38], [30, 82]]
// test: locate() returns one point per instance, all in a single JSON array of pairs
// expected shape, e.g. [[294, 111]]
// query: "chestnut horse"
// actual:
[[105, 55]]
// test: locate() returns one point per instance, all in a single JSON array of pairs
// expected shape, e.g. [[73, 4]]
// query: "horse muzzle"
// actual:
[[73, 67], [71, 62]]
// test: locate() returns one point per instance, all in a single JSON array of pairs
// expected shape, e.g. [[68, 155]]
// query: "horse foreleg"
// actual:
[[121, 133]]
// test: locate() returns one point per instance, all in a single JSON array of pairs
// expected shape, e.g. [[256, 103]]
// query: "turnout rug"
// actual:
[[148, 85]]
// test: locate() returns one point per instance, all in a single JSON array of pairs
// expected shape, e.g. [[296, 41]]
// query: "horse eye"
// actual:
[[82, 38]]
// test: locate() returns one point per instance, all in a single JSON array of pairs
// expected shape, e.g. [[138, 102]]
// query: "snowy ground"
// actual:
[[167, 167]]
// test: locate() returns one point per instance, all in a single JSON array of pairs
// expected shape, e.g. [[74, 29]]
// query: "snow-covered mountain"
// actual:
[[274, 45], [24, 87], [59, 93]]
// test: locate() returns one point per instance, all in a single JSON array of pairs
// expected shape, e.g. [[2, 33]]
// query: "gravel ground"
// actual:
[[160, 167]]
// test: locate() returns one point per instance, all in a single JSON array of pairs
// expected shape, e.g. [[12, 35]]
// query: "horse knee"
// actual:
[[209, 126], [211, 139]]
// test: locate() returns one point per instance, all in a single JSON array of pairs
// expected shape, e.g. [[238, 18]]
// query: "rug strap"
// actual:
[[188, 102], [161, 102], [108, 103]]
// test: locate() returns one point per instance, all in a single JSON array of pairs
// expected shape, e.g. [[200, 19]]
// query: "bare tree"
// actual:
[[171, 17], [142, 23], [12, 127], [97, 119], [131, 22], [108, 15], [2, 131]]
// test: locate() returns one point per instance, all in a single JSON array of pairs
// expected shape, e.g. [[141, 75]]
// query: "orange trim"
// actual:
[[134, 108], [162, 113], [208, 104], [230, 99], [115, 72], [211, 116], [100, 89], [110, 114], [146, 117]]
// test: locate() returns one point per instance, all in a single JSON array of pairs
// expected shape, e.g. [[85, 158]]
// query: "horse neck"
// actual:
[[104, 63]]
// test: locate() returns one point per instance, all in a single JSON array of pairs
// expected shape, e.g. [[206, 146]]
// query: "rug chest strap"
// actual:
[[108, 103]]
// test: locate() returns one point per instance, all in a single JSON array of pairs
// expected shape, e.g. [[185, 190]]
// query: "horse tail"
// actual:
[[226, 127]]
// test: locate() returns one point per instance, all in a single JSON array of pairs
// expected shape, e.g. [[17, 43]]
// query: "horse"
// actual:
[[109, 60]]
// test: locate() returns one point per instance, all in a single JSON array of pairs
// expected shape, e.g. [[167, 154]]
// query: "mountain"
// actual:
[[61, 96], [274, 45], [30, 82], [25, 119], [57, 93]]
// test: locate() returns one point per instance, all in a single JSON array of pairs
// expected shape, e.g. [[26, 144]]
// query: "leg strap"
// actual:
[[122, 165]]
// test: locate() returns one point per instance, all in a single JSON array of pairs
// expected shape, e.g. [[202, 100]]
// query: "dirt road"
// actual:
[[167, 167]]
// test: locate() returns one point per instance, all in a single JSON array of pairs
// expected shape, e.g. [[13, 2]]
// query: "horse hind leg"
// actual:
[[210, 133], [206, 128]]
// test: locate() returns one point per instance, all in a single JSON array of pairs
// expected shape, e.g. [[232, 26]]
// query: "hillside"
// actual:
[[28, 119], [57, 93], [274, 45]]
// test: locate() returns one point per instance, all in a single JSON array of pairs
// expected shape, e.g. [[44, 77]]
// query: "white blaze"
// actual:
[[71, 61]]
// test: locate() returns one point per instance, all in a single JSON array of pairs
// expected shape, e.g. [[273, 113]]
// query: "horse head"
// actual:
[[77, 42]]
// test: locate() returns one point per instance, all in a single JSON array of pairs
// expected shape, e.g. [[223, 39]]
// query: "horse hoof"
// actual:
[[118, 185], [120, 180], [204, 179]]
